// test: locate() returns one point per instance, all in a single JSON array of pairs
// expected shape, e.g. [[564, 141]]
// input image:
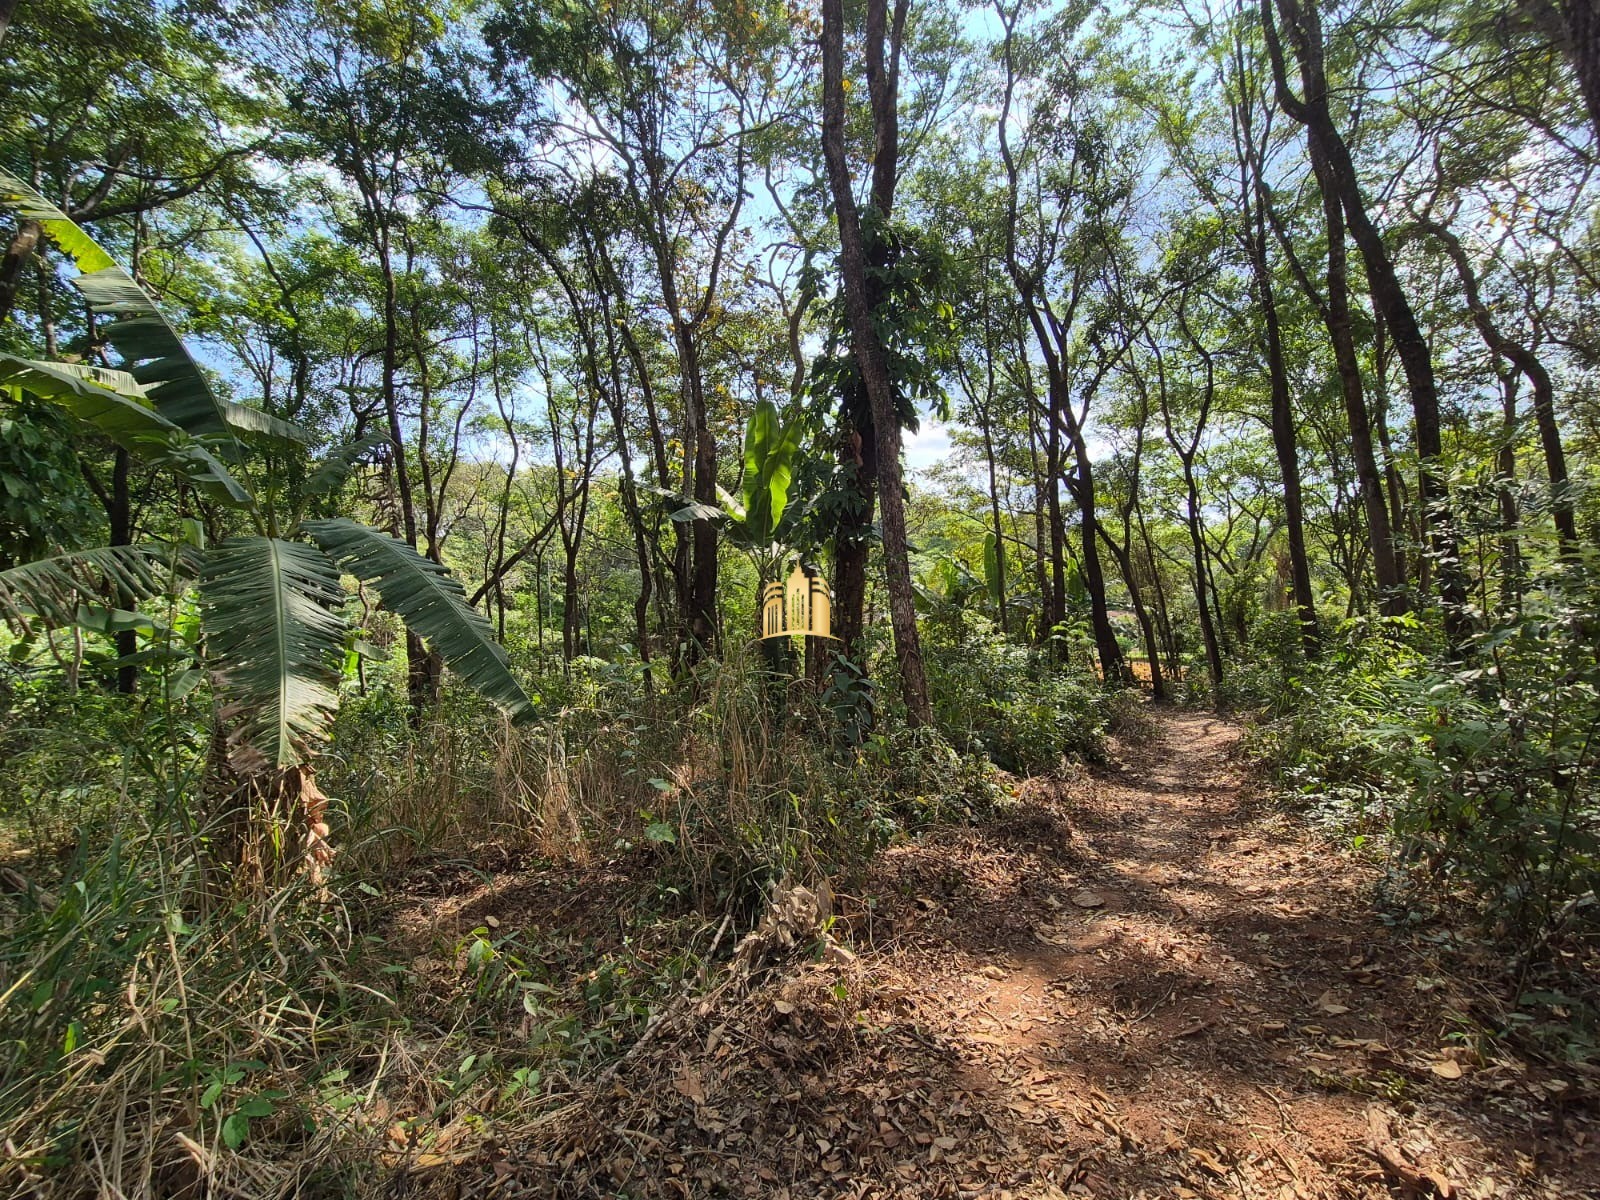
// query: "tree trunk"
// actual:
[[1041, 540], [1388, 296], [701, 622], [1527, 362], [1394, 489], [1147, 630], [18, 254], [1511, 572], [999, 530], [1336, 313], [1285, 444], [572, 642], [871, 356], [420, 687], [1583, 46], [853, 536], [1055, 613], [1112, 668]]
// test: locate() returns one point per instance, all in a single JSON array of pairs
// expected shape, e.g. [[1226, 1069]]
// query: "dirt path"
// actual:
[[1136, 983]]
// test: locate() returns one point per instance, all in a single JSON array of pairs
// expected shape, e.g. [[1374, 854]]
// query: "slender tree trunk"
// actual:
[[1583, 46], [1285, 445], [701, 626], [858, 453], [1147, 630], [1056, 612], [628, 494], [419, 686], [1112, 668], [1511, 572], [1305, 31], [1186, 457], [870, 353], [1041, 542], [19, 252], [571, 604], [1285, 438], [999, 530], [1527, 362], [1380, 535], [1163, 614], [121, 521], [47, 314], [1394, 487], [1208, 628], [670, 573]]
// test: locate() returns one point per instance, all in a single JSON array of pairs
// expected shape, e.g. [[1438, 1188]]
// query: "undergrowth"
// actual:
[[1478, 767], [163, 1031]]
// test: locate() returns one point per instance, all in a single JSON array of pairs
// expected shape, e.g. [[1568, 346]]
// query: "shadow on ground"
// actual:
[[1133, 983]]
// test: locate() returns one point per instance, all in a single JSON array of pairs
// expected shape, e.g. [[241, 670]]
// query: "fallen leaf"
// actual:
[[1329, 1004], [1088, 899], [1446, 1068], [688, 1084]]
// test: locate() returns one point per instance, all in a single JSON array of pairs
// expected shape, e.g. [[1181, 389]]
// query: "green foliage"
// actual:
[[58, 591], [1266, 674], [275, 635], [911, 273], [271, 604], [430, 602], [1001, 699], [44, 504], [1331, 738], [1484, 765], [1506, 796], [155, 355], [128, 419], [770, 451]]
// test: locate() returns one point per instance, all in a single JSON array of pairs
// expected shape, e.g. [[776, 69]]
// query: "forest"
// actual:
[[799, 598]]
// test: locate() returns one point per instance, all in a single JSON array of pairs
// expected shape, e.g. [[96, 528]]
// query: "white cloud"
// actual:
[[928, 447]]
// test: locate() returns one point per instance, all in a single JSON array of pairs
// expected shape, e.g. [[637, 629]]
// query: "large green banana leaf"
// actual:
[[769, 454], [129, 422], [154, 352], [430, 602], [275, 634], [328, 476], [49, 592]]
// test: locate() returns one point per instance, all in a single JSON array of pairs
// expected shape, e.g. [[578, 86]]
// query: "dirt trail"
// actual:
[[1135, 983]]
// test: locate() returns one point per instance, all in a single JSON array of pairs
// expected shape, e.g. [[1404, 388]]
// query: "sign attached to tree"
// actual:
[[801, 607]]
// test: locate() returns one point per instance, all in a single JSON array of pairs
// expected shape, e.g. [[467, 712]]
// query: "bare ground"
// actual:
[[1135, 983]]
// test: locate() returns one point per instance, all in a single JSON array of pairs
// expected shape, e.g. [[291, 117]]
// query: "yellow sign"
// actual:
[[802, 607]]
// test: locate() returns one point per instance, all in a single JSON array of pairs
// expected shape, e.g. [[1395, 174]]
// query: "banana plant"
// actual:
[[760, 521], [271, 601]]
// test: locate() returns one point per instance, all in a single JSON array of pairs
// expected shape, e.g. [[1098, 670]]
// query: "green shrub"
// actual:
[[994, 696], [1483, 764]]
